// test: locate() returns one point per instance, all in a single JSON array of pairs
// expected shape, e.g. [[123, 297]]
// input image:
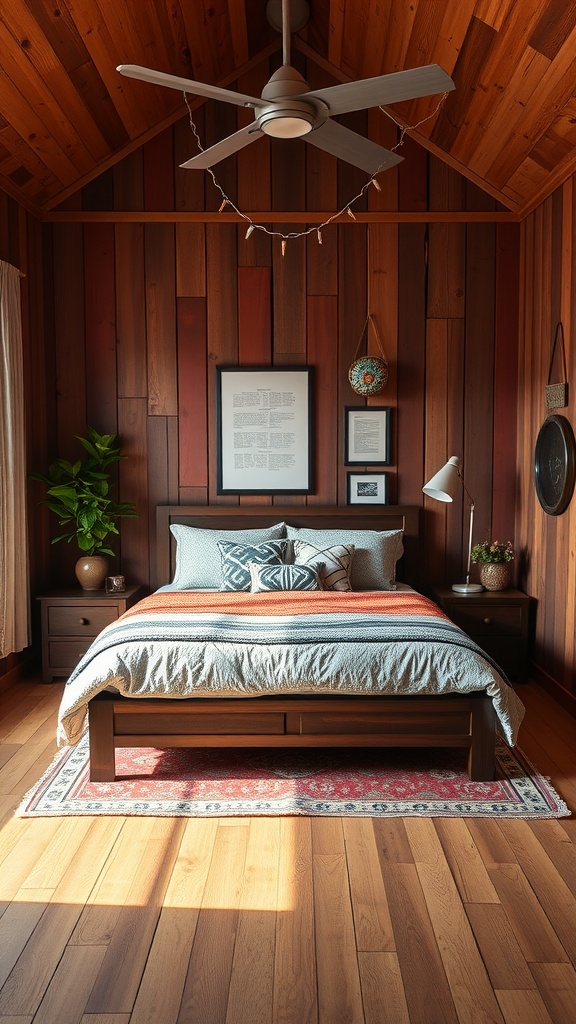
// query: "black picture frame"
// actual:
[[264, 429], [364, 487], [555, 465], [367, 435]]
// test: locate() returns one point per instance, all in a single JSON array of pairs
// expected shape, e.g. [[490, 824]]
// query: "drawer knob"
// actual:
[[487, 621], [83, 622]]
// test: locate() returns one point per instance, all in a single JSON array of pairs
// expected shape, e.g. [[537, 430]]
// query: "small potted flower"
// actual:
[[494, 559]]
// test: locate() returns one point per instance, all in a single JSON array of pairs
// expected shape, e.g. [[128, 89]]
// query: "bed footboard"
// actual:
[[451, 720]]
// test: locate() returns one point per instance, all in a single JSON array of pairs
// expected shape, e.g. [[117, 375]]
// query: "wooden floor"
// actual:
[[280, 920]]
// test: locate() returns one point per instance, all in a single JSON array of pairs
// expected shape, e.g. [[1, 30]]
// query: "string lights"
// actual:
[[346, 209]]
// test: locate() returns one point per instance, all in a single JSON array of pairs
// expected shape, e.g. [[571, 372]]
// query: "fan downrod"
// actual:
[[299, 14]]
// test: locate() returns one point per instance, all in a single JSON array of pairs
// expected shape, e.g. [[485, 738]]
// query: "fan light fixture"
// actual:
[[443, 487], [285, 126]]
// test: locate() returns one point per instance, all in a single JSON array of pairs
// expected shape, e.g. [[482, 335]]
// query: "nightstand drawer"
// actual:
[[64, 653], [479, 620], [70, 620]]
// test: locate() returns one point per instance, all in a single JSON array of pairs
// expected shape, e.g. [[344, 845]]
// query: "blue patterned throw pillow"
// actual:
[[284, 577], [234, 560]]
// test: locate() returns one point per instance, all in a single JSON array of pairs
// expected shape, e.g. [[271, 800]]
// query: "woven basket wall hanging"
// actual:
[[368, 374], [557, 394]]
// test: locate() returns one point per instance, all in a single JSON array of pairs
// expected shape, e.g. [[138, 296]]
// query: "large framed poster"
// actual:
[[264, 423]]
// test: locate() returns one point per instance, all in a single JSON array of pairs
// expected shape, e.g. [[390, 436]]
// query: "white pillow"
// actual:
[[333, 562], [198, 556], [376, 553]]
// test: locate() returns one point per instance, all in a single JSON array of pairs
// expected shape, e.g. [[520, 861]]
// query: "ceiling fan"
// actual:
[[288, 109]]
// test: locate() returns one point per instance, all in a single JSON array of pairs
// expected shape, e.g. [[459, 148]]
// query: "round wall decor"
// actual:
[[368, 375], [555, 465]]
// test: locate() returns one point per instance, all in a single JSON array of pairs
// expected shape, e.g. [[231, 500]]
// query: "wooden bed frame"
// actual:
[[451, 720]]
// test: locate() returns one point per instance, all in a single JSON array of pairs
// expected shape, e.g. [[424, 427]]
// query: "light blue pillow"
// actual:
[[235, 561], [375, 553], [284, 577], [198, 557]]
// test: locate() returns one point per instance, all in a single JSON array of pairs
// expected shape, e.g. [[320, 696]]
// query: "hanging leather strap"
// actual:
[[559, 336], [370, 320]]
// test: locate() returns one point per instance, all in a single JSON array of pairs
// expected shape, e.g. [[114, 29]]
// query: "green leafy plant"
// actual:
[[79, 494], [492, 551]]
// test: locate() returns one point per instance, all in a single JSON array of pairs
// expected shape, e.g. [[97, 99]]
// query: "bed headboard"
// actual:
[[244, 517]]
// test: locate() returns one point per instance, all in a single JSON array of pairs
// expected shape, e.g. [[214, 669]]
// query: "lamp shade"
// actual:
[[445, 482]]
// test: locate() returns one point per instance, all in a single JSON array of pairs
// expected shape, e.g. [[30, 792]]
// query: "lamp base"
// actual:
[[467, 588]]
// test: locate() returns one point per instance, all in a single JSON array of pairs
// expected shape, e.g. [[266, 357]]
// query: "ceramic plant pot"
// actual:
[[495, 575], [91, 571]]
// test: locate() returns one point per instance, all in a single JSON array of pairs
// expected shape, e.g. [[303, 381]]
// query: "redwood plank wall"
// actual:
[[547, 544], [138, 315]]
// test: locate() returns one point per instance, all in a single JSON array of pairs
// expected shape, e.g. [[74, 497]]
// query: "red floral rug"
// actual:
[[230, 782]]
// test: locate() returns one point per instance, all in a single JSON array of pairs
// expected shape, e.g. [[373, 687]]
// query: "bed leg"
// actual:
[[482, 756], [101, 735]]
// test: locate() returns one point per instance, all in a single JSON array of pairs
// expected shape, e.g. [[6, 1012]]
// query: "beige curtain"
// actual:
[[14, 593]]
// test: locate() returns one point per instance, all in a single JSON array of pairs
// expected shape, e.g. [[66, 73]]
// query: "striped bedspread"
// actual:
[[186, 644]]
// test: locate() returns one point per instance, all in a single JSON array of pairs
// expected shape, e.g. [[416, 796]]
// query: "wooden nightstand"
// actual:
[[71, 618], [496, 620]]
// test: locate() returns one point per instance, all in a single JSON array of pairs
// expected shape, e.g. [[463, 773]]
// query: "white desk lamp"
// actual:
[[442, 487]]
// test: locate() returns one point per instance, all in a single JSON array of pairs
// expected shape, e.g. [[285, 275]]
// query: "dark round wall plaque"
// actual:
[[555, 464]]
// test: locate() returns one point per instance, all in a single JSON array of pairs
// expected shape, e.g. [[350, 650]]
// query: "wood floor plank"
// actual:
[[382, 989], [392, 841], [162, 985], [104, 903], [523, 1007], [500, 949], [42, 745], [252, 983], [369, 904], [24, 990], [339, 992], [205, 995], [555, 839], [469, 983], [117, 981], [295, 994], [16, 926], [327, 836], [25, 844], [489, 841], [68, 991], [554, 895], [427, 991], [466, 864], [536, 936], [557, 986], [59, 854]]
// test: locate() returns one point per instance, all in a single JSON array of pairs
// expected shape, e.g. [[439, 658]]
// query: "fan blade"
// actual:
[[211, 92], [351, 147], [386, 89], [225, 148]]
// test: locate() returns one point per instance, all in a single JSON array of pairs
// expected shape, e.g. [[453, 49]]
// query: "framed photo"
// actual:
[[367, 488], [264, 425], [367, 435]]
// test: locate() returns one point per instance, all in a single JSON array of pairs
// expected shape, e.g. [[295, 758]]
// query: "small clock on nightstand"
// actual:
[[496, 620], [71, 618]]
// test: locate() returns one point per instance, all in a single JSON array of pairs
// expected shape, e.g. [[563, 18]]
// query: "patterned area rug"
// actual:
[[228, 782]]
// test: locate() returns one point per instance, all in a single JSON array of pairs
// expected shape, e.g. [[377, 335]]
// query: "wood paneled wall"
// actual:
[[547, 543], [137, 314]]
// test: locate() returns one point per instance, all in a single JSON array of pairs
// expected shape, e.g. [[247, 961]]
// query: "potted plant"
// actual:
[[494, 558], [79, 494]]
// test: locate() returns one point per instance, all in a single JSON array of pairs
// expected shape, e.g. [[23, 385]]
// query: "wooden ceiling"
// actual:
[[66, 114]]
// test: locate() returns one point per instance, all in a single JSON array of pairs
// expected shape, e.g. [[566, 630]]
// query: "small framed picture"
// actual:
[[367, 488], [367, 435]]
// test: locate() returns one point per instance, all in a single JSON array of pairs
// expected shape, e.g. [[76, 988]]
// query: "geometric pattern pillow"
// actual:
[[234, 560], [334, 562], [283, 577]]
